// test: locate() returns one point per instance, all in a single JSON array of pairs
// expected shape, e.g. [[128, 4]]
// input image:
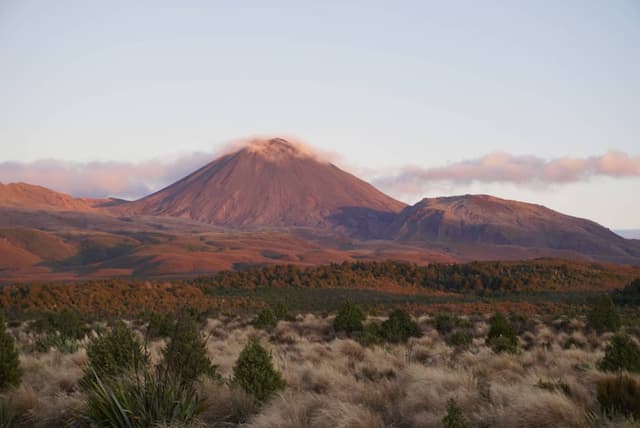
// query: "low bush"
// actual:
[[281, 311], [622, 353], [254, 372], [159, 325], [603, 315], [10, 371], [186, 354], [114, 353], [459, 339], [266, 319], [454, 417], [501, 337], [8, 417], [146, 399], [629, 295], [68, 324], [619, 395], [445, 323], [349, 318], [399, 327], [371, 335]]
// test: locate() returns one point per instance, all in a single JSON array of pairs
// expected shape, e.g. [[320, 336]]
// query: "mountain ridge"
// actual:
[[273, 202]]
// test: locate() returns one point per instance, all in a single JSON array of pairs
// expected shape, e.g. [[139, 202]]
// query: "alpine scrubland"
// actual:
[[353, 367]]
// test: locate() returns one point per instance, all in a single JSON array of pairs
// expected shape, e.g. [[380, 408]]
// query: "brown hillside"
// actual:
[[490, 220]]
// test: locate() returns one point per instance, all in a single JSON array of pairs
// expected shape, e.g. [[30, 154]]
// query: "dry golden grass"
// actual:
[[337, 382]]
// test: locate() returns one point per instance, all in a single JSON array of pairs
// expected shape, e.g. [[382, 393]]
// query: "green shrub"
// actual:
[[629, 295], [254, 372], [459, 339], [619, 395], [399, 327], [186, 354], [445, 323], [146, 399], [8, 417], [159, 325], [67, 323], [281, 311], [266, 319], [621, 353], [603, 315], [10, 371], [114, 353], [349, 318], [501, 336], [454, 417], [370, 335]]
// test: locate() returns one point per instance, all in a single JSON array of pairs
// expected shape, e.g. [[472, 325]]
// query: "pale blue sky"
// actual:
[[385, 84]]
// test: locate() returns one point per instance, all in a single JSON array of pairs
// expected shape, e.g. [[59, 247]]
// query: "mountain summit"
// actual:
[[271, 182]]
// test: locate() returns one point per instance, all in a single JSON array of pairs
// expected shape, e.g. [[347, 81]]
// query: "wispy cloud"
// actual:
[[503, 167], [133, 180], [101, 179]]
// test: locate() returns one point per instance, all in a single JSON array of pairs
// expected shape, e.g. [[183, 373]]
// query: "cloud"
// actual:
[[131, 180], [503, 167], [100, 179]]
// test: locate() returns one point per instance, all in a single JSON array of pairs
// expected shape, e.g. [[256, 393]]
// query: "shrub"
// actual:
[[8, 417], [459, 339], [114, 353], [145, 399], [10, 371], [454, 417], [281, 311], [619, 395], [445, 323], [159, 325], [501, 336], [266, 318], [186, 354], [370, 335], [254, 371], [399, 327], [67, 323], [621, 353], [603, 315], [349, 318], [629, 295]]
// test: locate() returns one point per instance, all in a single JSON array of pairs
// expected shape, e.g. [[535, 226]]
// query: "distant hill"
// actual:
[[490, 220], [37, 197]]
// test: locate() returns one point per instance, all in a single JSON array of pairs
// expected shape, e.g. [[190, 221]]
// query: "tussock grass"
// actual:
[[336, 381]]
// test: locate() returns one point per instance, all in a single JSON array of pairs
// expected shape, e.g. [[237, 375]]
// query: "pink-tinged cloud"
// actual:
[[102, 179], [506, 168], [134, 180]]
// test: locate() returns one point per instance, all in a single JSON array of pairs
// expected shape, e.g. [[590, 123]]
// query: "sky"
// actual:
[[529, 100]]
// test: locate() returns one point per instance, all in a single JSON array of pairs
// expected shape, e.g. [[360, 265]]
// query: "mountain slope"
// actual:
[[37, 197], [491, 220], [268, 183]]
